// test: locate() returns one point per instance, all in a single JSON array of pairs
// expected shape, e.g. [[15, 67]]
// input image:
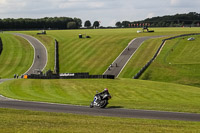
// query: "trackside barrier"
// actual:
[[1, 46], [70, 76], [157, 52]]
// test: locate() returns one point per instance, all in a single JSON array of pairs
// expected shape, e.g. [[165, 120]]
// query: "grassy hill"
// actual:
[[127, 93], [16, 57], [179, 62], [94, 55]]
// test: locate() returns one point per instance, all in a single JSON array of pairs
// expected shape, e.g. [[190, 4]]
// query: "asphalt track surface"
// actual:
[[117, 66], [84, 110], [40, 54]]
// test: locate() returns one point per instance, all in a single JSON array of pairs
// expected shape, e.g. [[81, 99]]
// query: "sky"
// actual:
[[108, 12]]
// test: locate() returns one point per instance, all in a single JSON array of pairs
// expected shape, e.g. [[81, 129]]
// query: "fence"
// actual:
[[156, 54]]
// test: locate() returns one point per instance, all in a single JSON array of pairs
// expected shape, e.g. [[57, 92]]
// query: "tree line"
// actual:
[[42, 23], [45, 23], [191, 19]]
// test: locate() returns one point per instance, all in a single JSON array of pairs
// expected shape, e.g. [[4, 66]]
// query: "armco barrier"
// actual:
[[1, 46], [156, 54]]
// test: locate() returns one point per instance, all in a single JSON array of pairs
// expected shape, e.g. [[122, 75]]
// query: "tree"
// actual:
[[87, 24], [118, 24], [78, 22], [126, 24], [96, 24], [71, 25]]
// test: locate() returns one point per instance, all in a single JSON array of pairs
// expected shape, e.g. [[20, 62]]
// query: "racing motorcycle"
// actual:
[[101, 100]]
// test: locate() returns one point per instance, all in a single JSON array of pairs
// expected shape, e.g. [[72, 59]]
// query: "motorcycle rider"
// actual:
[[101, 94], [101, 99]]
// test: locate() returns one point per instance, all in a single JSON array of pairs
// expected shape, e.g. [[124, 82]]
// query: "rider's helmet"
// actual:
[[106, 89]]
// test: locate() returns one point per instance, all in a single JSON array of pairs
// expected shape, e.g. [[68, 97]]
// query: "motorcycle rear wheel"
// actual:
[[103, 104]]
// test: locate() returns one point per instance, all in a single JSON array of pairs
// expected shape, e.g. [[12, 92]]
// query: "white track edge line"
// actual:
[[121, 52], [45, 50], [129, 59], [33, 49]]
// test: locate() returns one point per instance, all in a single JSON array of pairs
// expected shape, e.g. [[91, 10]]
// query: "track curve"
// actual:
[[40, 53]]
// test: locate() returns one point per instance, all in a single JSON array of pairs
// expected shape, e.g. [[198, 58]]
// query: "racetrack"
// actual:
[[40, 53], [112, 111], [121, 61]]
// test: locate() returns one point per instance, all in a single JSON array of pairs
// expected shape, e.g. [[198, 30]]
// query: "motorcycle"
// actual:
[[100, 100]]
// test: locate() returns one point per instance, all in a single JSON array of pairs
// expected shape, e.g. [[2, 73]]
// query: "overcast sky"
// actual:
[[106, 11]]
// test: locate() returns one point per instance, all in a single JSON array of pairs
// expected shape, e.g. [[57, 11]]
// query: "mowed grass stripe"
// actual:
[[71, 55], [75, 63], [126, 93], [16, 57], [91, 55]]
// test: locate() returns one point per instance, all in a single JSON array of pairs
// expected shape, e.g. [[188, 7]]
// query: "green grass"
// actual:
[[87, 55], [48, 42], [179, 62], [127, 93], [13, 121], [16, 57], [141, 57], [94, 55]]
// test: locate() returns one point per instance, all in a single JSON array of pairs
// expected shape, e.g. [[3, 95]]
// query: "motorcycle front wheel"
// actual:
[[91, 105]]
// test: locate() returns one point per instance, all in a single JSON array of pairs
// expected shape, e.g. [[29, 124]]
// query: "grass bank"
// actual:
[[127, 93], [32, 121], [178, 62], [16, 57]]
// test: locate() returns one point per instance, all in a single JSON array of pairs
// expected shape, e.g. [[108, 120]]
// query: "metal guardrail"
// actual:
[[156, 54]]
